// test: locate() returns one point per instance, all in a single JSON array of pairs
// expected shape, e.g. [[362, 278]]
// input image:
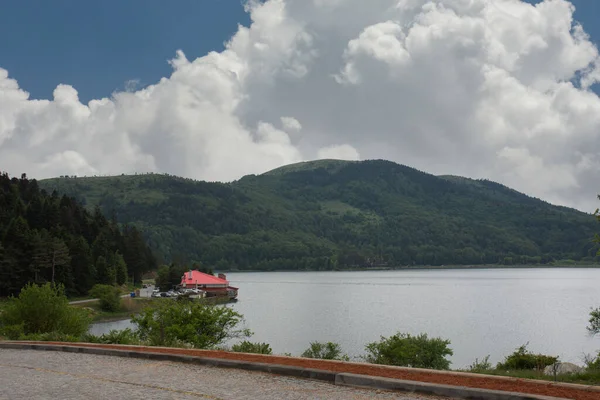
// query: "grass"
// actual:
[[78, 298], [132, 305], [129, 306]]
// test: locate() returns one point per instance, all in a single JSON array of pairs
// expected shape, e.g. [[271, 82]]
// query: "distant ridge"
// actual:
[[333, 214]]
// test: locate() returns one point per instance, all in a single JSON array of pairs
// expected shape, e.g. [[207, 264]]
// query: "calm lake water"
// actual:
[[482, 311]]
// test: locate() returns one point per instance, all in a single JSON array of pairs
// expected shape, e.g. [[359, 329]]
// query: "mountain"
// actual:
[[331, 214], [52, 238]]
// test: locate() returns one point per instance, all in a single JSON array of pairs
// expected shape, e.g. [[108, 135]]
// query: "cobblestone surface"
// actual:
[[32, 374]]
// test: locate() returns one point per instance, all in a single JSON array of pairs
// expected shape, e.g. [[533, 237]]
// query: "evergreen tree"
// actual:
[[120, 269], [18, 249], [137, 254], [84, 271], [105, 273], [49, 253], [53, 238]]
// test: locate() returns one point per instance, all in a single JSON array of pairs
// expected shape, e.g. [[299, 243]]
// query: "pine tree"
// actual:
[[18, 249], [7, 268], [51, 238], [84, 272], [120, 268], [49, 253], [35, 213], [136, 254], [105, 273]]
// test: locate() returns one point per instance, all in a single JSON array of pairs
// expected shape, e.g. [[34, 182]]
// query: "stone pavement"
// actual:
[[32, 374]]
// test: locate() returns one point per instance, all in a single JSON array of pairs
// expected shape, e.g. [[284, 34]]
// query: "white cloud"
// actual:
[[339, 152], [494, 89], [291, 124], [132, 85]]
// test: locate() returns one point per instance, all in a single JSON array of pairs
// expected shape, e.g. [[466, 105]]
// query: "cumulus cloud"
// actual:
[[496, 89], [339, 152]]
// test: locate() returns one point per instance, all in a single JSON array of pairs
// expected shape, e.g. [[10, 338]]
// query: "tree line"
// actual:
[[45, 237]]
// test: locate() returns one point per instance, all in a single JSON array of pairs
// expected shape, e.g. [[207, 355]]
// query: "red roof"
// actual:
[[200, 278]]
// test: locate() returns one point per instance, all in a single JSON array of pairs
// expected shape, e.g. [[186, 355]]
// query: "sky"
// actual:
[[216, 89]]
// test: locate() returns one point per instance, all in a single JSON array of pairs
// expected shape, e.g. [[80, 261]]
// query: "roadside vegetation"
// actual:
[[109, 297], [404, 350], [251, 347], [42, 313], [325, 351]]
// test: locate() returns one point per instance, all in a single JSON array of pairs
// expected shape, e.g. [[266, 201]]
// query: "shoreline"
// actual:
[[426, 268]]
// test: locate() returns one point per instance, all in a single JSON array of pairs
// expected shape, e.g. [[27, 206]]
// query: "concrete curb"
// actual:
[[268, 359], [337, 378], [372, 382]]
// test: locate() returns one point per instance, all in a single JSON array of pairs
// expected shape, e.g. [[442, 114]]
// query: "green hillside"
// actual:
[[336, 214]]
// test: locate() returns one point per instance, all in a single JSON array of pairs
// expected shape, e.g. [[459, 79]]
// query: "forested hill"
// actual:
[[336, 214], [52, 238]]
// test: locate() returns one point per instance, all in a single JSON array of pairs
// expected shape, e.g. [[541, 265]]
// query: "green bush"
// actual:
[[405, 350], [42, 310], [250, 347], [592, 363], [125, 336], [188, 323], [109, 297], [481, 366], [325, 351], [49, 337], [594, 326], [523, 359]]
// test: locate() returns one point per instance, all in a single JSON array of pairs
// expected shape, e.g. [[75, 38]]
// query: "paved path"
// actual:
[[144, 293], [34, 374]]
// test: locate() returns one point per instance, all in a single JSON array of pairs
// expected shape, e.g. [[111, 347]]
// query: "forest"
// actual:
[[328, 215], [46, 237]]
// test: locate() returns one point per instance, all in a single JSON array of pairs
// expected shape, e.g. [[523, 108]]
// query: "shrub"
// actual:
[[405, 350], [481, 366], [109, 297], [592, 363], [249, 347], [42, 310], [49, 337], [325, 351], [125, 336], [594, 326], [523, 359], [192, 323]]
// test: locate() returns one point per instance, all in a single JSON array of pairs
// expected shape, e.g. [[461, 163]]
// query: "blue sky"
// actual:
[[97, 46]]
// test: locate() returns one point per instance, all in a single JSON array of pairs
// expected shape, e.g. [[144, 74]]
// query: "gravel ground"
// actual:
[[34, 374]]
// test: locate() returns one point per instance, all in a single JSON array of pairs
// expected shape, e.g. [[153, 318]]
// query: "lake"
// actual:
[[482, 311]]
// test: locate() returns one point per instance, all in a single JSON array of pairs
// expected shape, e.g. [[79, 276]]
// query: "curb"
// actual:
[[430, 388], [336, 378]]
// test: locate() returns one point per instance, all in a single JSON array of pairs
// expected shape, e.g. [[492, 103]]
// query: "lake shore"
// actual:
[[426, 267], [480, 310]]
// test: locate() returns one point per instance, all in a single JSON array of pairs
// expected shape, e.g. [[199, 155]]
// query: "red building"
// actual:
[[213, 286]]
